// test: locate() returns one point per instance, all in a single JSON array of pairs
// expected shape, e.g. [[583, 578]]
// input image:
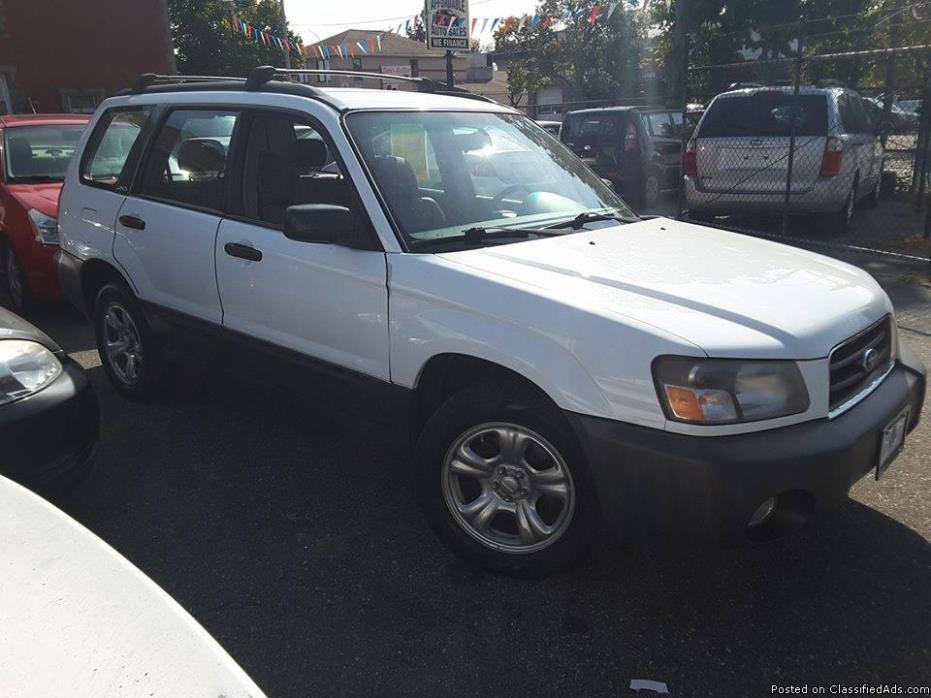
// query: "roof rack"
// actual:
[[264, 74]]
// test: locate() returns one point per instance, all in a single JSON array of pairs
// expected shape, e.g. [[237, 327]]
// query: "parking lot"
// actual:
[[291, 533]]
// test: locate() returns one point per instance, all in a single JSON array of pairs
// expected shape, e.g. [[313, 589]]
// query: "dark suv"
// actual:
[[639, 149]]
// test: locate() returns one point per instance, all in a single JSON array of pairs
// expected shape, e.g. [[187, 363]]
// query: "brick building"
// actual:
[[67, 55]]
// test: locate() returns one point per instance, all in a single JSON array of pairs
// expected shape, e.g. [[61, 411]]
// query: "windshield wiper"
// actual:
[[592, 217], [479, 233]]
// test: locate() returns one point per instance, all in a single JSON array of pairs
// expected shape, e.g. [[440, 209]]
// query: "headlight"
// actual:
[[46, 227], [721, 391], [25, 368]]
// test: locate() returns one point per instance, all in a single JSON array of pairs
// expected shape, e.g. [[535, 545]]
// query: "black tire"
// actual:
[[148, 366], [839, 222], [16, 284], [515, 404], [650, 188], [872, 199], [699, 216]]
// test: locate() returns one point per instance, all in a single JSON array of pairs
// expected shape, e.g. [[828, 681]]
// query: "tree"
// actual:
[[595, 60], [206, 43]]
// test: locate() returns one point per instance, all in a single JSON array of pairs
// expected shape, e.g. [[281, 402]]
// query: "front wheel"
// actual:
[[17, 288], [503, 483], [128, 350]]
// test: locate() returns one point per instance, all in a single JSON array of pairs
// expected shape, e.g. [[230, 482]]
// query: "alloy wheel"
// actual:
[[122, 344], [508, 488]]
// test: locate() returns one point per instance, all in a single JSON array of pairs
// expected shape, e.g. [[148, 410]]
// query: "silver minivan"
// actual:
[[737, 160]]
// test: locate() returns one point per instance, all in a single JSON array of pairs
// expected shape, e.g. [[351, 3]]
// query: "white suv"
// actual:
[[445, 264]]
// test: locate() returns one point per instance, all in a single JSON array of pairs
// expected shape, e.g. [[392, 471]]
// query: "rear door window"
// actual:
[[110, 145], [766, 114], [188, 162], [659, 124]]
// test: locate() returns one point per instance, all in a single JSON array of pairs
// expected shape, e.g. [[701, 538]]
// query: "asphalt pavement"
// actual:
[[292, 534]]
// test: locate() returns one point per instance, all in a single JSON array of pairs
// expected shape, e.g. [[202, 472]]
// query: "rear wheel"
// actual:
[[128, 350], [17, 288], [700, 216], [502, 481], [840, 222], [650, 190]]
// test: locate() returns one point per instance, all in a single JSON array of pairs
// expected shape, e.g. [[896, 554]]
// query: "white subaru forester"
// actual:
[[444, 264]]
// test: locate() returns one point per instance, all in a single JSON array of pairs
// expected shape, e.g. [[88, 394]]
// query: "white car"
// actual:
[[561, 364], [79, 620]]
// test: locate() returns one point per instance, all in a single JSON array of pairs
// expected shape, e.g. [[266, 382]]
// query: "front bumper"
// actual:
[[651, 482], [48, 438]]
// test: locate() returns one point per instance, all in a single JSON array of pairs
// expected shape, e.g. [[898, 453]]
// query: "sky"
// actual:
[[315, 20]]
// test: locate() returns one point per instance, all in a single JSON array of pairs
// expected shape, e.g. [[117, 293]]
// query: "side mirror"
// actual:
[[336, 225]]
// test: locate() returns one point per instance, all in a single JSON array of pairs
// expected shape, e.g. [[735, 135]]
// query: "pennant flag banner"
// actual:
[[264, 37]]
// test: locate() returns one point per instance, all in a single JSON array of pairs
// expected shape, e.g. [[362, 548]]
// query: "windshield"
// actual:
[[444, 172], [766, 114], [39, 153]]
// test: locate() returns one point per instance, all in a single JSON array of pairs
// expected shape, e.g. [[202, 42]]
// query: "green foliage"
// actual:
[[599, 61], [206, 44]]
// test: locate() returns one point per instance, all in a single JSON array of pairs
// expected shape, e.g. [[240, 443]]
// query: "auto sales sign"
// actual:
[[447, 25]]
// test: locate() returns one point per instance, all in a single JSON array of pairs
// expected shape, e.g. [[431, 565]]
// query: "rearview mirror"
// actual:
[[321, 223]]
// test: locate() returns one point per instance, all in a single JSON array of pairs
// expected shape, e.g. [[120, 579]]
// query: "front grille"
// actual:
[[860, 360]]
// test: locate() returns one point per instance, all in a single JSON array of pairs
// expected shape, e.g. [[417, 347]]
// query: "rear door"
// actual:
[[742, 142], [667, 142], [166, 229], [860, 140]]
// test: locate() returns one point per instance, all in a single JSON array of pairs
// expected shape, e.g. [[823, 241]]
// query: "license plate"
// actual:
[[891, 441]]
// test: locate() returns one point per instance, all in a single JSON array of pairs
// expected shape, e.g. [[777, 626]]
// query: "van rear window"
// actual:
[[590, 129], [766, 114]]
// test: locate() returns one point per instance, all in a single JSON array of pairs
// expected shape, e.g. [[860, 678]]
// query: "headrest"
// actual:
[[395, 176], [310, 153], [276, 180], [202, 155], [20, 150]]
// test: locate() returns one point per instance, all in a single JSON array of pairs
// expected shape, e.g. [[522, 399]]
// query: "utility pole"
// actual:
[[450, 77], [682, 78], [284, 35]]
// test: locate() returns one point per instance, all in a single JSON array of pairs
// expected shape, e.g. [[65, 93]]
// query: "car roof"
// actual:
[[33, 119], [803, 89], [608, 110]]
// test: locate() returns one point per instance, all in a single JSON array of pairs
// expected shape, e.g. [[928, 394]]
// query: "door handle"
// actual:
[[235, 249], [132, 222]]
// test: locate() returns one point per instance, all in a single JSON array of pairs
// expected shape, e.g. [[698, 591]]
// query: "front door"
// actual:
[[326, 302], [167, 228]]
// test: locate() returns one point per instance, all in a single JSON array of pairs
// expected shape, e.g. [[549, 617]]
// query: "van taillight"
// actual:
[[833, 154], [630, 139], [691, 158]]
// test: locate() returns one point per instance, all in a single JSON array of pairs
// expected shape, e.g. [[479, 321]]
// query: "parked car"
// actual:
[[900, 120], [911, 106], [48, 410], [551, 127], [737, 160], [560, 364], [35, 155], [80, 620], [638, 149]]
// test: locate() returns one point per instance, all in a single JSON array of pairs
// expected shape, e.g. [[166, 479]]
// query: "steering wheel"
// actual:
[[499, 197]]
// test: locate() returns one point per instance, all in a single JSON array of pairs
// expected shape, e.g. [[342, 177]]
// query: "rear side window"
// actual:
[[110, 145], [853, 115], [766, 114], [188, 162]]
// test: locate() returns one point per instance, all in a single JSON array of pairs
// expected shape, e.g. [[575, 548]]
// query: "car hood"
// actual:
[[14, 327], [42, 197], [731, 295]]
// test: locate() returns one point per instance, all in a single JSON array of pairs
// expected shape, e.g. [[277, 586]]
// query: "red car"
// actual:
[[34, 152]]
